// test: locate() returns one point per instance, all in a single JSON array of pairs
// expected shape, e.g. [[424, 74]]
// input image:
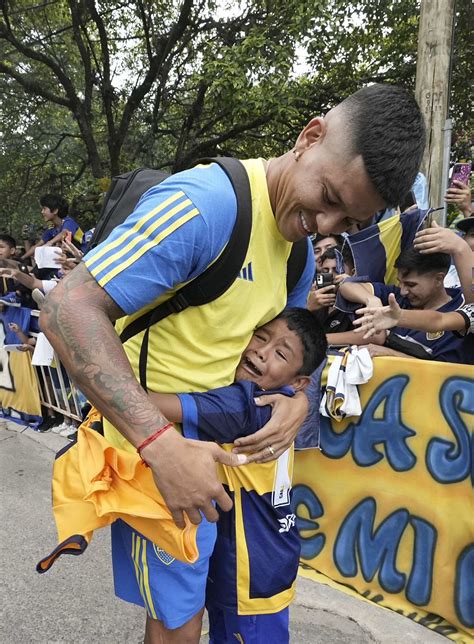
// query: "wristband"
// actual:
[[150, 439]]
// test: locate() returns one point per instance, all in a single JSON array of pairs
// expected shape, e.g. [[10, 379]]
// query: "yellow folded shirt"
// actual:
[[95, 483]]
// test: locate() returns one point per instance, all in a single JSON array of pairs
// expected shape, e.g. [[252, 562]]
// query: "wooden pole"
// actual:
[[432, 88]]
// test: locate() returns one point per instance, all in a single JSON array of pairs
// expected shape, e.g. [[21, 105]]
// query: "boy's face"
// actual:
[[329, 266], [273, 358], [420, 289], [321, 247], [48, 215], [6, 251]]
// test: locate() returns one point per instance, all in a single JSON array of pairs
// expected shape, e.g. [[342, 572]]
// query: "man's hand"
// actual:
[[185, 473], [376, 318], [321, 298], [437, 239], [460, 194], [279, 433]]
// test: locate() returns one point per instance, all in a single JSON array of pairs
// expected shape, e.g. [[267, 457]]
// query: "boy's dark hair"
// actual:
[[412, 260], [8, 239], [55, 202], [388, 131], [345, 251], [311, 334]]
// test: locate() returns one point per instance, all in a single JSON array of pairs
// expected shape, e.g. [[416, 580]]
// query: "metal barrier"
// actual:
[[57, 391]]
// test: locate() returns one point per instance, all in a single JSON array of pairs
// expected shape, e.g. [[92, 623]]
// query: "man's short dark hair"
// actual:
[[8, 240], [318, 237], [55, 202], [311, 334], [412, 260], [388, 131]]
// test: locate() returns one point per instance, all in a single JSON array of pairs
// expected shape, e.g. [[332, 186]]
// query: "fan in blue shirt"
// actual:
[[421, 277], [260, 528]]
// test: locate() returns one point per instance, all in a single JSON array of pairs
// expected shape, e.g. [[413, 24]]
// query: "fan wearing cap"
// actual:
[[466, 226]]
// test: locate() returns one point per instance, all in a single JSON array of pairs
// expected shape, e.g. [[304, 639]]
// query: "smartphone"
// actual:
[[461, 172], [324, 279]]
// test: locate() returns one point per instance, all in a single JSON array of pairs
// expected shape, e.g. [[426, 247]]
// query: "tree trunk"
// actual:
[[433, 86]]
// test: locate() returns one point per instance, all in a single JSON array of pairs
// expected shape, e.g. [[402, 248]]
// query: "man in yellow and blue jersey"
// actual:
[[362, 156]]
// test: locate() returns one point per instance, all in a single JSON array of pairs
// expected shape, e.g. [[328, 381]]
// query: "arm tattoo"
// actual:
[[77, 318]]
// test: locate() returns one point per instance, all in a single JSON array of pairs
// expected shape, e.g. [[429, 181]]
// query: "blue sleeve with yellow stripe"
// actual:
[[226, 413], [176, 230]]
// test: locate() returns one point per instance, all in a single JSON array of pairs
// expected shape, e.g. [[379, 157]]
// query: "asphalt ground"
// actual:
[[74, 602]]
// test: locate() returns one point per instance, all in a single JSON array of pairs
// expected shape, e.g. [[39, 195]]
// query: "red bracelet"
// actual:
[[151, 438]]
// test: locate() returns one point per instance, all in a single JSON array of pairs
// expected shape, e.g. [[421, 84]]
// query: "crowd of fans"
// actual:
[[26, 282], [435, 274]]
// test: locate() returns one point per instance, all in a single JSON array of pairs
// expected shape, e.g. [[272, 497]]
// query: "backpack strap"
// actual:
[[296, 263], [217, 277]]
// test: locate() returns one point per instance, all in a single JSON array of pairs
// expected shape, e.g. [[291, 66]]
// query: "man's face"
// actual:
[[420, 289], [273, 357], [325, 190], [6, 251], [469, 238], [321, 247]]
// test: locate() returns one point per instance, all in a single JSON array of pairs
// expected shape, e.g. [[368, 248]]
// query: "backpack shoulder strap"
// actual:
[[296, 263], [217, 277]]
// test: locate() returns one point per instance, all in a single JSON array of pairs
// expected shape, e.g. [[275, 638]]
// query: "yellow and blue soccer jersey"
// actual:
[[260, 529], [177, 229], [68, 223], [445, 346]]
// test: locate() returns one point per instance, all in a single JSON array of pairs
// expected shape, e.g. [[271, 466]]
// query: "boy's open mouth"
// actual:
[[251, 367]]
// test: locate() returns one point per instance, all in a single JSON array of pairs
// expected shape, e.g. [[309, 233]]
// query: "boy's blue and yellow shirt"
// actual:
[[255, 561]]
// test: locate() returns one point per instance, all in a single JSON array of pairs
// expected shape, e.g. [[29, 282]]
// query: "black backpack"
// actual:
[[121, 199]]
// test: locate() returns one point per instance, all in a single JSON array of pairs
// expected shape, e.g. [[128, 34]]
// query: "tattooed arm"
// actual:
[[77, 318]]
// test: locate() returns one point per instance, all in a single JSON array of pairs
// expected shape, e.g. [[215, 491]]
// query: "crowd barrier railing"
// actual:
[[56, 390]]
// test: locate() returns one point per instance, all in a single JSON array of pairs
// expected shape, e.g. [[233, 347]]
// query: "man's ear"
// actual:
[[300, 383], [314, 132]]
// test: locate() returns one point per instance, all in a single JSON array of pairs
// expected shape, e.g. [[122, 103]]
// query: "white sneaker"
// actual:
[[38, 296], [57, 429], [69, 431]]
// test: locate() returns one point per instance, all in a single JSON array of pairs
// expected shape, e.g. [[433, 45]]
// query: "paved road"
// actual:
[[74, 601]]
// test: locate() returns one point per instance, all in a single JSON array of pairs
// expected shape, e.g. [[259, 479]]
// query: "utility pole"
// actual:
[[432, 91]]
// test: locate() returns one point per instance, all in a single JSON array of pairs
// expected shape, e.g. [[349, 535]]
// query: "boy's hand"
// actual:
[[7, 272], [321, 298], [14, 327], [375, 318], [279, 433]]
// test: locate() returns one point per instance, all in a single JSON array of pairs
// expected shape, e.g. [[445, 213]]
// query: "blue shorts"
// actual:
[[144, 574], [226, 627]]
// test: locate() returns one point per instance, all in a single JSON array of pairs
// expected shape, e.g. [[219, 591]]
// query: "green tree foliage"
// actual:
[[93, 87]]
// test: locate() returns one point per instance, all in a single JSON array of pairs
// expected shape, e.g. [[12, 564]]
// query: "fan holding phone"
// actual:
[[459, 191]]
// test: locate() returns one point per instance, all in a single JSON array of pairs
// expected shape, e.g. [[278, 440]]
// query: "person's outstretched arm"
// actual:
[[77, 318], [360, 292], [376, 319]]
